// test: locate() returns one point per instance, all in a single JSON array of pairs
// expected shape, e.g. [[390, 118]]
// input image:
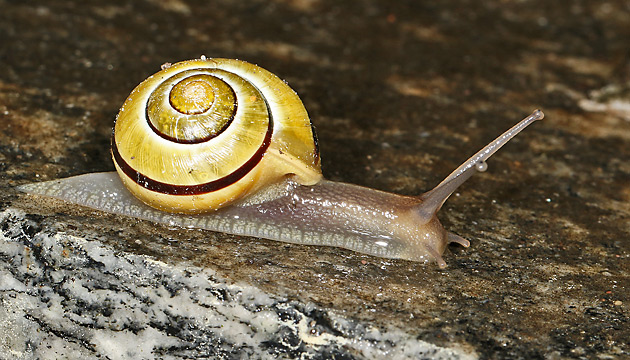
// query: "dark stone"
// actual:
[[400, 93]]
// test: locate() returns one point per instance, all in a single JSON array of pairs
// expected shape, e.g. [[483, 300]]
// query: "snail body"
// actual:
[[179, 125]]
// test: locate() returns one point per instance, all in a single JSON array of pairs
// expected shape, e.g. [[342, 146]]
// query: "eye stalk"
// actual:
[[433, 200]]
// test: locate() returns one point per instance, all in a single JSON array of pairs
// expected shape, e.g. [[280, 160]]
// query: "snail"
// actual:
[[224, 145]]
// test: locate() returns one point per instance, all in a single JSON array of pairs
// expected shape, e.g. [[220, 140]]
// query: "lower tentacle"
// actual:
[[454, 238], [436, 255]]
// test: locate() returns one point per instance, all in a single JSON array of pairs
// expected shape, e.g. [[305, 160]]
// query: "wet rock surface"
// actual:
[[400, 94]]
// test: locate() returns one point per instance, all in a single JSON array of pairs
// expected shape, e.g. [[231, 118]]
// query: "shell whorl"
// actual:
[[201, 134]]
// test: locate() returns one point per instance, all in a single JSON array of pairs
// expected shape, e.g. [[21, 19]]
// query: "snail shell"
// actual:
[[227, 146], [201, 134]]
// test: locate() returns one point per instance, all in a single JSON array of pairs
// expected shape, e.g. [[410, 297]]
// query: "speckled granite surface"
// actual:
[[73, 297], [400, 94]]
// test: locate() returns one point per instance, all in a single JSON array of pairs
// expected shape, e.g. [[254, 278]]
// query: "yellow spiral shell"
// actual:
[[201, 134]]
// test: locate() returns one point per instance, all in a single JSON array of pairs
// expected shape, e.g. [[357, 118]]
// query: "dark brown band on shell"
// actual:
[[315, 142], [218, 184]]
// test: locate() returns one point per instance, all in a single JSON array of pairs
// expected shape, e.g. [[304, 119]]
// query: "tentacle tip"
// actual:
[[538, 114], [441, 263], [454, 238]]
